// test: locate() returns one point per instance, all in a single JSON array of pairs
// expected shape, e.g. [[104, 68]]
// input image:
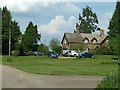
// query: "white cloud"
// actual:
[[70, 7], [54, 25], [56, 28], [24, 5], [58, 25], [104, 20]]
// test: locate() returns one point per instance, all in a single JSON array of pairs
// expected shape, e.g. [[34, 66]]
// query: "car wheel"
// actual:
[[75, 55]]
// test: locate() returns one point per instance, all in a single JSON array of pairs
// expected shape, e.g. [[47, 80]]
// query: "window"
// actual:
[[94, 41], [65, 42], [85, 41]]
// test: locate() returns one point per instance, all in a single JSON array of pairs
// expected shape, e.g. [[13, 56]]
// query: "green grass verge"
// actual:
[[100, 65]]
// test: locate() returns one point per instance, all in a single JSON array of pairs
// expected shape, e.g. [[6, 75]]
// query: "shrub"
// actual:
[[30, 53], [43, 48], [104, 51], [109, 82], [15, 52], [9, 59]]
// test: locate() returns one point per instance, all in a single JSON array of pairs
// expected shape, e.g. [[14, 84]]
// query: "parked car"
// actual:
[[25, 53], [65, 54], [86, 55], [52, 54], [37, 53], [71, 53]]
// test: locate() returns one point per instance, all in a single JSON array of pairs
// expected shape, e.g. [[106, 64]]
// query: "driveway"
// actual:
[[15, 78]]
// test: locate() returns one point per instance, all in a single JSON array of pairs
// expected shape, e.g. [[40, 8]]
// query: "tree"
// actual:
[[88, 21], [114, 29], [55, 45], [43, 48], [15, 35], [31, 38], [0, 31], [9, 28], [6, 20]]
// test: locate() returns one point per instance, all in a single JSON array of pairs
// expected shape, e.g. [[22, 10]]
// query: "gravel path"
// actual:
[[15, 78]]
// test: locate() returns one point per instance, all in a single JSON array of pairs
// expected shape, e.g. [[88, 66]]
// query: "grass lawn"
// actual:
[[100, 65]]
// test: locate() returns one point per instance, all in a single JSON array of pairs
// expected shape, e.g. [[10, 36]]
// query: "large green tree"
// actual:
[[15, 35], [87, 21], [55, 45], [11, 28], [114, 27], [31, 38], [0, 31], [6, 25]]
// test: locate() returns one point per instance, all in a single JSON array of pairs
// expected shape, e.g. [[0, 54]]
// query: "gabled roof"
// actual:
[[72, 37], [79, 37], [85, 38], [92, 36]]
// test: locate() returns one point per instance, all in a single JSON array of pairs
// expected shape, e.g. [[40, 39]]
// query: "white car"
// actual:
[[72, 53]]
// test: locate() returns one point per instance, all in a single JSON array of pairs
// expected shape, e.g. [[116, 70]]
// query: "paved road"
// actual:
[[15, 78]]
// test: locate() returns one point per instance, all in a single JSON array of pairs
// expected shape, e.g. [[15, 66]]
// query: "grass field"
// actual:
[[100, 65]]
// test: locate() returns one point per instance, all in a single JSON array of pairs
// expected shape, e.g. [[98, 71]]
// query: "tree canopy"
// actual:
[[114, 27], [31, 38], [6, 19], [87, 21], [0, 31], [11, 28], [55, 45], [43, 48]]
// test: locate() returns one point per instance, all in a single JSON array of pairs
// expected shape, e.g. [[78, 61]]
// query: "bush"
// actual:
[[15, 52], [9, 59], [30, 53], [104, 51], [43, 48], [108, 83]]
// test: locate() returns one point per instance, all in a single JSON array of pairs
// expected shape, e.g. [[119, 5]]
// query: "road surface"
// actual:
[[15, 78]]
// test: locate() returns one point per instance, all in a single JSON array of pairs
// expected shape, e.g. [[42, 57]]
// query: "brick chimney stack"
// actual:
[[77, 30], [101, 32]]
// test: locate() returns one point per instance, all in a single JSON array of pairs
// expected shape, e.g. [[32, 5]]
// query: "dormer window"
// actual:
[[94, 40], [86, 40]]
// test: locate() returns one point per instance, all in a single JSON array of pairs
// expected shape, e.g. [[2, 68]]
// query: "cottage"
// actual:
[[78, 40]]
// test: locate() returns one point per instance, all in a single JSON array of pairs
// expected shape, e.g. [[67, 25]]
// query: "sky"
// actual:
[[55, 17]]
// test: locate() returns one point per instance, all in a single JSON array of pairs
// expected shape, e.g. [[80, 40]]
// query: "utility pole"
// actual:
[[10, 38]]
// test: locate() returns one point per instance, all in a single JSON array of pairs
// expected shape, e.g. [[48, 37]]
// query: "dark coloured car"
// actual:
[[52, 54], [38, 53], [25, 53], [86, 55]]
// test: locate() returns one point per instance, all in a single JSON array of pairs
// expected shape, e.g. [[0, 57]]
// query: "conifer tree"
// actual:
[[87, 21], [30, 38], [114, 27], [9, 28]]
